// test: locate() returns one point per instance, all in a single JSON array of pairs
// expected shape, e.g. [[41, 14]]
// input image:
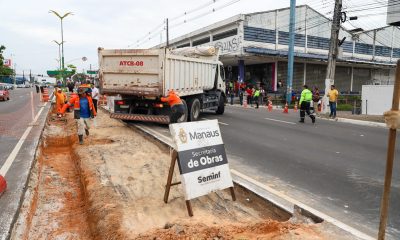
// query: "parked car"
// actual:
[[4, 94], [9, 86]]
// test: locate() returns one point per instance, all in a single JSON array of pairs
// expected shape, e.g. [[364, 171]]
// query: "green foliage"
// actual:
[[344, 107], [81, 77], [4, 71]]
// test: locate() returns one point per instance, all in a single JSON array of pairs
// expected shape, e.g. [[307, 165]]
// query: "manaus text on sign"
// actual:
[[203, 164]]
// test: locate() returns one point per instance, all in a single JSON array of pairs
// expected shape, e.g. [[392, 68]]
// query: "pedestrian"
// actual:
[[95, 96], [241, 92], [37, 88], [231, 95], [262, 96], [61, 98], [305, 100], [249, 95], [253, 90], [333, 96], [83, 111], [256, 97], [70, 86], [177, 107], [315, 99]]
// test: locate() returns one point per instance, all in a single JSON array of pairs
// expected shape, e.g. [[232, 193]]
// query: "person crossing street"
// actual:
[[256, 97], [305, 100]]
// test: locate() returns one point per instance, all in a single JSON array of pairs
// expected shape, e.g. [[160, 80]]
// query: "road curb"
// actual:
[[362, 123]]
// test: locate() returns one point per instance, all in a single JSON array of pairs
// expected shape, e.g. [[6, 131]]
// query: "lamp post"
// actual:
[[59, 52], [62, 36]]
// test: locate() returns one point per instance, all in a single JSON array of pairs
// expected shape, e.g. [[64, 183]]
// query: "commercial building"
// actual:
[[254, 49]]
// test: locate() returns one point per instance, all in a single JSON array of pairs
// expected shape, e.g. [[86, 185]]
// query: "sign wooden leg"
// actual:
[[189, 208], [170, 175], [232, 194]]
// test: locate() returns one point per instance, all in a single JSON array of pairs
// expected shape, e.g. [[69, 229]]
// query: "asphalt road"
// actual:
[[15, 121], [15, 115], [336, 168]]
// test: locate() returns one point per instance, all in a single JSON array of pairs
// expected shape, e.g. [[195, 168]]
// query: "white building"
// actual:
[[254, 49]]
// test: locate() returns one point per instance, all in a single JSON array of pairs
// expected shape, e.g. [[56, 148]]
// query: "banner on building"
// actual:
[[203, 164]]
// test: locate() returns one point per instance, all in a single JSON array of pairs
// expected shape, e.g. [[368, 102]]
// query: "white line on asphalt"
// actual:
[[6, 166], [327, 218], [276, 120], [226, 124]]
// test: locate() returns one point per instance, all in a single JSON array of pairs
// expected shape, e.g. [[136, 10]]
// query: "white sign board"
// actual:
[[376, 99], [203, 164]]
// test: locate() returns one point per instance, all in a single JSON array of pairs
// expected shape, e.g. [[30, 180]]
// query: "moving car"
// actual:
[[4, 94]]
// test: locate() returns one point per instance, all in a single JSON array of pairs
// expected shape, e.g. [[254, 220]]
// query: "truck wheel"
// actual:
[[184, 117], [194, 107], [221, 105]]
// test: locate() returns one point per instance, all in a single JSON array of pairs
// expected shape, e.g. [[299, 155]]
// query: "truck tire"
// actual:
[[194, 106], [221, 105], [184, 117]]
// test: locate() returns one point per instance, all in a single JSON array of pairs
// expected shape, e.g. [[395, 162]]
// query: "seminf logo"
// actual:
[[182, 136]]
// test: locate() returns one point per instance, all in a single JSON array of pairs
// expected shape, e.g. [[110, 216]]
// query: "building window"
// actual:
[[183, 45], [226, 34], [201, 41]]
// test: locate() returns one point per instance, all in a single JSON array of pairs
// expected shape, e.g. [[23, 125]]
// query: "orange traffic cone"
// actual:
[[245, 102], [286, 109], [269, 106], [295, 107]]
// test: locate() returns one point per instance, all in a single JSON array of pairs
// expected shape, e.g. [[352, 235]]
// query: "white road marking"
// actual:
[[222, 123], [276, 120], [6, 166], [293, 201]]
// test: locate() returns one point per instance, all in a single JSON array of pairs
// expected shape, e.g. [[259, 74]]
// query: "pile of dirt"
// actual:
[[112, 187]]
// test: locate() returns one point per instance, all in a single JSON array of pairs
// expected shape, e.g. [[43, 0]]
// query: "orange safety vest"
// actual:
[[74, 101], [172, 99]]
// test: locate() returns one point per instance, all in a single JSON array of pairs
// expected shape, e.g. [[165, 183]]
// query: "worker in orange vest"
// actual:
[[177, 107], [83, 111], [61, 98]]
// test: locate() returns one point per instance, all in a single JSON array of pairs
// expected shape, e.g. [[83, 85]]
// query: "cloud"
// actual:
[[27, 29]]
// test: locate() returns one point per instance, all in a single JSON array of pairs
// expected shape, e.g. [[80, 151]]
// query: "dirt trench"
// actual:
[[112, 187]]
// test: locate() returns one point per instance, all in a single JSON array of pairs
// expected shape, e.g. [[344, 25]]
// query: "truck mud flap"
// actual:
[[141, 117]]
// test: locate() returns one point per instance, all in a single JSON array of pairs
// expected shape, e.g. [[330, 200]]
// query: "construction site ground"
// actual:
[[112, 187]]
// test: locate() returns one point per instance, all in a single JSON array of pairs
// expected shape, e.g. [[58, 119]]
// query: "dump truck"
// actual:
[[141, 76]]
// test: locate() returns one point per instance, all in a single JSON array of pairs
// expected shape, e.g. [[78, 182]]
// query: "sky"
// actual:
[[27, 29]]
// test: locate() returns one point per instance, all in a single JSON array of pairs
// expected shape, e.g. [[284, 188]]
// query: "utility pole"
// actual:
[[291, 50], [333, 52], [167, 33]]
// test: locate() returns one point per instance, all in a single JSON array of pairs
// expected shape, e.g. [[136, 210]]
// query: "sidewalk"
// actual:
[[342, 116]]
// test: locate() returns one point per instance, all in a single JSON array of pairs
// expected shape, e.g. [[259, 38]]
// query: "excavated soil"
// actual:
[[112, 187]]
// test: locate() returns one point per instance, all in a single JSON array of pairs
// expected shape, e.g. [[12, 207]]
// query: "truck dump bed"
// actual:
[[152, 72]]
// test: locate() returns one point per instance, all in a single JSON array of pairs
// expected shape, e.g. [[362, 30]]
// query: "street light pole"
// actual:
[[59, 53], [62, 37]]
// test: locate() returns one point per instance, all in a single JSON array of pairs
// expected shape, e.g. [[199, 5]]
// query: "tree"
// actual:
[[4, 71]]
